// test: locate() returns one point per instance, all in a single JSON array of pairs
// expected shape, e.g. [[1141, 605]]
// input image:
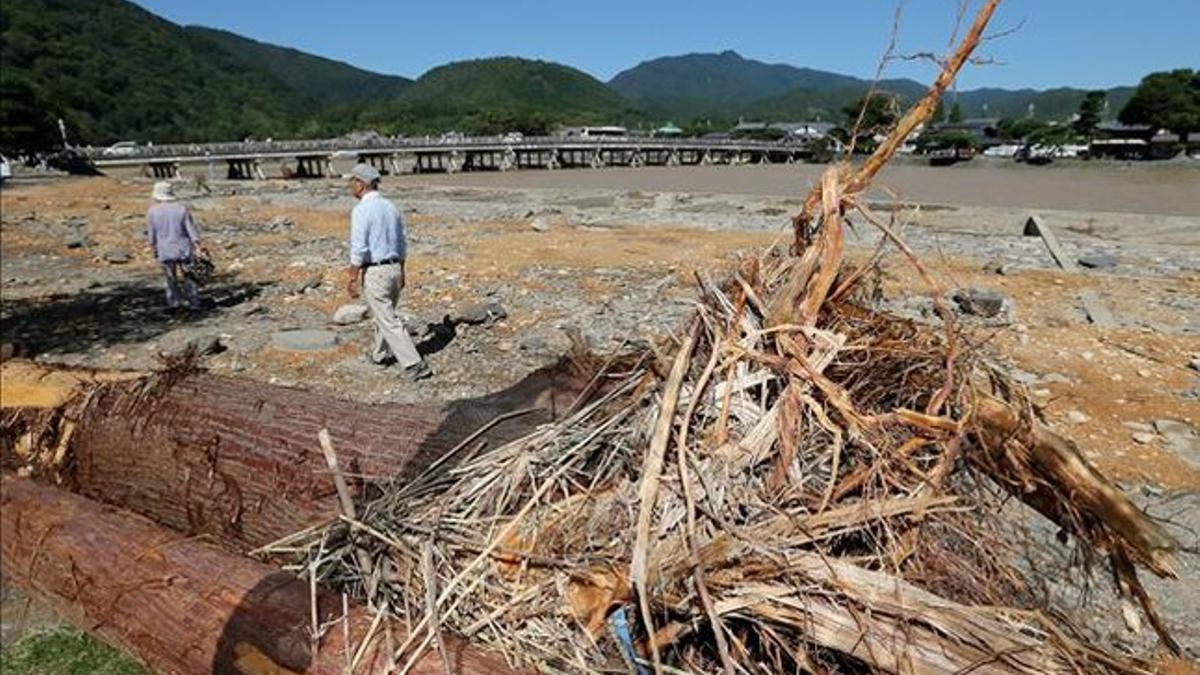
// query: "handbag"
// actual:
[[199, 268]]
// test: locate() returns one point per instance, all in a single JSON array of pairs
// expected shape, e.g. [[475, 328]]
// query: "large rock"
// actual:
[[312, 282], [1098, 261], [76, 238], [118, 256], [350, 314], [481, 313], [305, 340], [1181, 438], [980, 301]]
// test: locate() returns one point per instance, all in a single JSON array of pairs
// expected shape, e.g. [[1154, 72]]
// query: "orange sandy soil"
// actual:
[[1123, 374]]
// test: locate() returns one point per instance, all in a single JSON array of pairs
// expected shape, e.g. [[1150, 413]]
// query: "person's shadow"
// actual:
[[111, 314]]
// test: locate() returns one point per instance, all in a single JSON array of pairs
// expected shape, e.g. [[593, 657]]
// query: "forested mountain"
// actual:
[[496, 95], [729, 85], [114, 71], [722, 81], [325, 80]]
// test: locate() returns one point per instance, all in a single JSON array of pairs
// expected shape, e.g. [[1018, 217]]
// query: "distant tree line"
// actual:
[[1165, 100]]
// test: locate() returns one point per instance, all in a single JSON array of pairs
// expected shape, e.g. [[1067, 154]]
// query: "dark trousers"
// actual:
[[180, 289]]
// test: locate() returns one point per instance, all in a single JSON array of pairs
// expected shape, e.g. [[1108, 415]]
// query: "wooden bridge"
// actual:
[[318, 159]]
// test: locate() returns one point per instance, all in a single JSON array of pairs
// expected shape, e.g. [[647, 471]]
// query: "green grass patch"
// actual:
[[65, 651]]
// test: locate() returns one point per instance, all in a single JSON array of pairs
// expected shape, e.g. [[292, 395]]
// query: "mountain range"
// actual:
[[115, 71]]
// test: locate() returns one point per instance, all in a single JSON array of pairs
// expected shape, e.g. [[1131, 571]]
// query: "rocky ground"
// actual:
[[499, 278]]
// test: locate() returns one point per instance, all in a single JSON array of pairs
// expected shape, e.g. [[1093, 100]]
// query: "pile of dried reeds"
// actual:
[[807, 484]]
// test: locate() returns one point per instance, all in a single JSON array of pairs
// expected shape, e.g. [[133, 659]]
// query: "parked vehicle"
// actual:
[[948, 156], [1007, 150], [121, 149]]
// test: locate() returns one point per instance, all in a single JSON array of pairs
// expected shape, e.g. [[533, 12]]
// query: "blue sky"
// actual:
[[1081, 43]]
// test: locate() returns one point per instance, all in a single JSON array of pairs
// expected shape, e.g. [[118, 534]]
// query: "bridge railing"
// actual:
[[402, 144]]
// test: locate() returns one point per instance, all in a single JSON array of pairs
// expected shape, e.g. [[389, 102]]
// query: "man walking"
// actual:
[[174, 240], [378, 247]]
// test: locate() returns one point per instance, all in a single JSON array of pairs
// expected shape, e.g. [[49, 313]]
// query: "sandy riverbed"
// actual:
[[1163, 189]]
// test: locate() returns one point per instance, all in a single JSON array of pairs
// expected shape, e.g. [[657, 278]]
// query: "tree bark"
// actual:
[[240, 460], [182, 605], [1094, 508]]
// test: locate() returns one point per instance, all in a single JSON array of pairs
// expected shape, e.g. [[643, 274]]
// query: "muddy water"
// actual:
[[1148, 189]]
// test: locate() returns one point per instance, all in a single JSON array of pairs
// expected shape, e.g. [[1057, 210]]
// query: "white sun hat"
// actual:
[[163, 191]]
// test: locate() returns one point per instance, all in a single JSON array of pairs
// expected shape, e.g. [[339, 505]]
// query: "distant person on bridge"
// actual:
[[378, 247], [174, 240]]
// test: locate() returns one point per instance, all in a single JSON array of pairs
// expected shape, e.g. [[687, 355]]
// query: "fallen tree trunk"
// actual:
[[184, 606], [204, 454]]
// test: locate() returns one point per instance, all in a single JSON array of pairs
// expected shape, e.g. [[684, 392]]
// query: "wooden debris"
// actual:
[[1035, 227]]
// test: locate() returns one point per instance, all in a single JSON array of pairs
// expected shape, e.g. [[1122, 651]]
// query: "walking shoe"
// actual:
[[387, 362], [419, 371]]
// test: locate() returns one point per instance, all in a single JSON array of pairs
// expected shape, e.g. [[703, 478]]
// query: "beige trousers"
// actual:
[[381, 285]]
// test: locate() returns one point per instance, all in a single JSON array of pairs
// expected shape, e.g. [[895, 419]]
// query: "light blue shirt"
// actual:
[[376, 231]]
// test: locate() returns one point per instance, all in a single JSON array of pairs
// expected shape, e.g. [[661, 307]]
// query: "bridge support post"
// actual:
[[597, 161], [637, 158], [161, 170], [673, 157], [454, 162]]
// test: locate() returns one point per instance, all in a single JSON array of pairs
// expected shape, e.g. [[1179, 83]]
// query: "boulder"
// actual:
[[350, 314], [1098, 261], [980, 301], [480, 313], [311, 283], [117, 256], [76, 239]]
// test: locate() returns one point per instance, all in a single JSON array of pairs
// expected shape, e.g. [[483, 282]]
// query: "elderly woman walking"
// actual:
[[174, 240]]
